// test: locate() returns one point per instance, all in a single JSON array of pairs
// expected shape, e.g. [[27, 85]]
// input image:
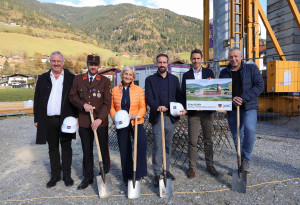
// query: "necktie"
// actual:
[[91, 80]]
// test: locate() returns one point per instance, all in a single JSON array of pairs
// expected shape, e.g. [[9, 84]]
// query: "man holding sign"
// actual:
[[199, 117]]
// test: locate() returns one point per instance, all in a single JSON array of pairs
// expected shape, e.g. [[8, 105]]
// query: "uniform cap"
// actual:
[[93, 59]]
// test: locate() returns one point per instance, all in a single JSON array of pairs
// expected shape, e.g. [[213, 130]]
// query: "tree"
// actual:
[[6, 68]]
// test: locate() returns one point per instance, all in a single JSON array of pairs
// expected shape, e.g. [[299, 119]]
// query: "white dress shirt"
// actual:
[[89, 76], [54, 102], [198, 75]]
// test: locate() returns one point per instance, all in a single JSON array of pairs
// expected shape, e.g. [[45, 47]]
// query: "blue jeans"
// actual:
[[157, 155], [248, 121]]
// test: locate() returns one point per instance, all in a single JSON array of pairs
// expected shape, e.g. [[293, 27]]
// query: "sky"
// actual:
[[192, 8]]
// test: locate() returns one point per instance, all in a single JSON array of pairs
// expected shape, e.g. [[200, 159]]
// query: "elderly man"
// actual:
[[51, 107], [247, 85], [90, 91], [162, 88]]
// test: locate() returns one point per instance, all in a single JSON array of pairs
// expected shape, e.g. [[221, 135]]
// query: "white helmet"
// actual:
[[122, 119], [69, 125], [175, 108]]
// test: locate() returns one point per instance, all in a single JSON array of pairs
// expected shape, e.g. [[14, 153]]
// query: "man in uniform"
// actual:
[[91, 93], [51, 107]]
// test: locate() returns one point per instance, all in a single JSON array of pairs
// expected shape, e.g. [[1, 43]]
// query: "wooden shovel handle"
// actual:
[[238, 136], [163, 139], [135, 143], [96, 139]]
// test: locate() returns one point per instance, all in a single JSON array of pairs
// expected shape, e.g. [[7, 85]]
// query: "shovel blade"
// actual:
[[165, 191], [239, 183], [134, 192], [105, 189]]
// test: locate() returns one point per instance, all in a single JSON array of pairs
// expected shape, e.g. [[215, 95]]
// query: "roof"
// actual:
[[17, 74]]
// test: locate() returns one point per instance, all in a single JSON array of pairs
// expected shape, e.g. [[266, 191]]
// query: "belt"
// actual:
[[54, 116]]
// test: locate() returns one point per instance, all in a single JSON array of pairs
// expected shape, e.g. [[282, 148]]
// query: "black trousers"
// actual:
[[87, 142], [53, 139], [126, 153]]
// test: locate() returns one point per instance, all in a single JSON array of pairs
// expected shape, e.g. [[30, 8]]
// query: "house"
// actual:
[[17, 80], [125, 54]]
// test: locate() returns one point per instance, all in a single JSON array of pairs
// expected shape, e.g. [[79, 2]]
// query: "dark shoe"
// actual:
[[68, 180], [212, 171], [191, 173], [53, 181], [84, 184], [156, 181], [170, 176], [246, 165]]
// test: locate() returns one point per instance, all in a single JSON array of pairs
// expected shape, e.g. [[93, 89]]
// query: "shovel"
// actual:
[[134, 187], [239, 177], [103, 182], [165, 185]]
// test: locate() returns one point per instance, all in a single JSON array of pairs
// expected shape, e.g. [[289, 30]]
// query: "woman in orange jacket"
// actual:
[[130, 97]]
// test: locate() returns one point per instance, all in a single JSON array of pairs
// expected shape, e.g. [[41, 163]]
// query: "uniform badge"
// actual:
[[94, 94], [81, 94], [98, 95]]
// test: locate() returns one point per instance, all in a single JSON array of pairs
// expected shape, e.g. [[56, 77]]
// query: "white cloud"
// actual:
[[83, 3], [193, 8]]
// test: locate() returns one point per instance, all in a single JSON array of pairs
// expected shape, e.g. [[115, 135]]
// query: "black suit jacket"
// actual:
[[206, 73], [152, 91], [41, 97]]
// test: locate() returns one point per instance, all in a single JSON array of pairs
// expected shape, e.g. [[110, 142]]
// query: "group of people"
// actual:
[[60, 94]]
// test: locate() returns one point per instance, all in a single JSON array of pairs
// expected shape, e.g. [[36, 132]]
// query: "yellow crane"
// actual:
[[283, 76]]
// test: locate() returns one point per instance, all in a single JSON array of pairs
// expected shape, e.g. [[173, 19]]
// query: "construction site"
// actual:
[[275, 172]]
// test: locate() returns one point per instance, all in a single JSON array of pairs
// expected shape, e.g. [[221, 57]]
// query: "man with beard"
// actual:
[[162, 88], [91, 93]]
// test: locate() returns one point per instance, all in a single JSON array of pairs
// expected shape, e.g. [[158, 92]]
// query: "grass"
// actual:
[[16, 94], [20, 43]]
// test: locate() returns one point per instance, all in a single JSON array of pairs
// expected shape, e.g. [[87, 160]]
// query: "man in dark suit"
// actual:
[[92, 90], [51, 107], [198, 117], [162, 88]]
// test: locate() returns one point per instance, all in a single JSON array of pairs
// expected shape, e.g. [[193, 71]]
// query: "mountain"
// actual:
[[123, 27]]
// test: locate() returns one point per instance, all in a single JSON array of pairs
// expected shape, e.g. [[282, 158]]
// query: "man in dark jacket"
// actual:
[[89, 91], [162, 88], [51, 107], [198, 117], [247, 85]]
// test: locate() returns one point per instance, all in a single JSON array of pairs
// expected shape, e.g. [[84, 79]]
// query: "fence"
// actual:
[[221, 137]]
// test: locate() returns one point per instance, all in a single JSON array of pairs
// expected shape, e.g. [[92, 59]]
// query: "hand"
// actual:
[[36, 124], [88, 108], [182, 112], [162, 109], [133, 116], [96, 124], [237, 101]]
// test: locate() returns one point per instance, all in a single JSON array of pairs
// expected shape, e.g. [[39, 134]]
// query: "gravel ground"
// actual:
[[274, 178]]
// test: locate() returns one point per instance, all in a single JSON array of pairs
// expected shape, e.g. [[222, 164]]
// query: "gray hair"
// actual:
[[126, 68], [235, 49], [56, 53]]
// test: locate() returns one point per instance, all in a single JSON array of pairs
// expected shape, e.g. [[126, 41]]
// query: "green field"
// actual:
[[19, 43], [16, 94]]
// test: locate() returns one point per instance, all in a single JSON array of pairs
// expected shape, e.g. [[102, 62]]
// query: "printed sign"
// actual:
[[213, 94]]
